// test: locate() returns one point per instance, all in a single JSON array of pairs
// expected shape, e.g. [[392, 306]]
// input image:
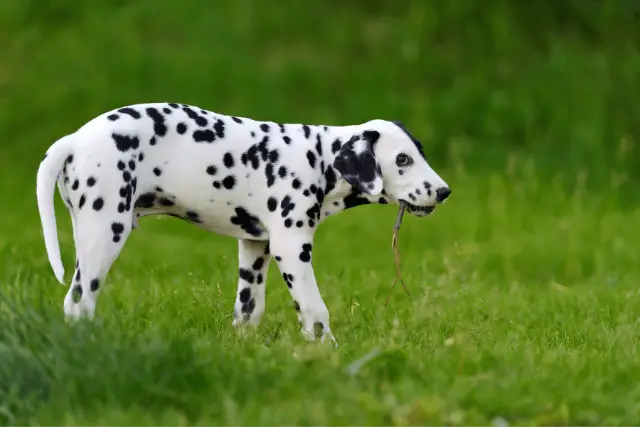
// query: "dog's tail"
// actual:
[[48, 172]]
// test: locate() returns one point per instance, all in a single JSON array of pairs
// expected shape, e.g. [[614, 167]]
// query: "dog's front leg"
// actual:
[[292, 251], [253, 263]]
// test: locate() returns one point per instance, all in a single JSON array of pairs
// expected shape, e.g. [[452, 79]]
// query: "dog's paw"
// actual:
[[320, 333], [243, 320], [328, 338]]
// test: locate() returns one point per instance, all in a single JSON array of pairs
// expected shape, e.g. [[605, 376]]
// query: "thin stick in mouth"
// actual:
[[396, 251]]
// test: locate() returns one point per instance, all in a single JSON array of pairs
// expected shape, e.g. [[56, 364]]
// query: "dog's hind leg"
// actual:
[[102, 219], [99, 241], [253, 263], [76, 290]]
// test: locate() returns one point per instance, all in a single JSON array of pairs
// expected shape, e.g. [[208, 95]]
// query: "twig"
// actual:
[[396, 252]]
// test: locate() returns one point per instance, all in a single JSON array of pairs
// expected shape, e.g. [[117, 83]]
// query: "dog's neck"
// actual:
[[336, 189]]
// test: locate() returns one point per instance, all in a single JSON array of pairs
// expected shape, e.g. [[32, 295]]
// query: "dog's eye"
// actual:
[[403, 160]]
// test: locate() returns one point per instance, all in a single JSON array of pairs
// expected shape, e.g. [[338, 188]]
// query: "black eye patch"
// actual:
[[403, 160]]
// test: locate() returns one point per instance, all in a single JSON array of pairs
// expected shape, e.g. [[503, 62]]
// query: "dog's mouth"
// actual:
[[419, 210]]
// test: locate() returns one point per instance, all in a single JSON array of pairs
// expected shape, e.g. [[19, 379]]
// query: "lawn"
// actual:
[[530, 317], [524, 286]]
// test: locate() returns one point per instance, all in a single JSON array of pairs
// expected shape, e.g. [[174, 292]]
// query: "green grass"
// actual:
[[524, 285], [524, 306]]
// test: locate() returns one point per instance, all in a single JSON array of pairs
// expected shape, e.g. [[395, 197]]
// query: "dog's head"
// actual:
[[385, 159]]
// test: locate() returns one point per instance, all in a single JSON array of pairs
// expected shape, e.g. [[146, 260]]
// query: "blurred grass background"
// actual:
[[552, 81], [528, 110]]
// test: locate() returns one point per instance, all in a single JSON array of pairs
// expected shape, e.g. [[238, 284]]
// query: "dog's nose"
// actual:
[[442, 193]]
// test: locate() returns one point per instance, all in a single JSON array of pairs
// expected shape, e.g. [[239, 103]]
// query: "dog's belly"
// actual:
[[226, 220], [223, 200]]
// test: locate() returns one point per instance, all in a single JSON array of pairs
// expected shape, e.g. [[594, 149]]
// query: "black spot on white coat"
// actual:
[[305, 254]]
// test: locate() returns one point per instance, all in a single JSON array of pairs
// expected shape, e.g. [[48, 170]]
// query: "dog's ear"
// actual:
[[357, 163]]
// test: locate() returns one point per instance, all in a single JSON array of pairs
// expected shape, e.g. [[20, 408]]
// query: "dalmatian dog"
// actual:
[[267, 184]]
